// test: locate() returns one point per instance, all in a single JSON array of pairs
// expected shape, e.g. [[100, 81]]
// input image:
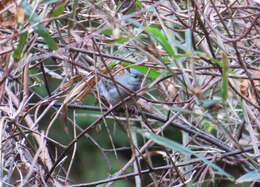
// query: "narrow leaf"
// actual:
[[178, 147], [188, 39], [58, 10], [120, 41], [249, 177], [107, 32], [154, 74], [19, 49], [40, 29], [161, 39], [224, 78], [219, 63], [139, 4], [119, 4], [46, 2], [43, 32]]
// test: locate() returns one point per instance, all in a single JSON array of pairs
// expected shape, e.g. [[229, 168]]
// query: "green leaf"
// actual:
[[19, 49], [219, 63], [139, 4], [39, 28], [161, 39], [121, 41], [249, 177], [175, 146], [58, 10], [143, 69], [224, 78], [207, 124], [119, 4], [43, 32], [154, 74], [107, 32], [216, 61], [166, 59], [113, 64]]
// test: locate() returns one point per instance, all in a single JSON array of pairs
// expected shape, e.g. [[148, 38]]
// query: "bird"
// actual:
[[131, 79]]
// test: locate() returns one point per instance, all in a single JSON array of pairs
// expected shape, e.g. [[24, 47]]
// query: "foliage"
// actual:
[[197, 111]]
